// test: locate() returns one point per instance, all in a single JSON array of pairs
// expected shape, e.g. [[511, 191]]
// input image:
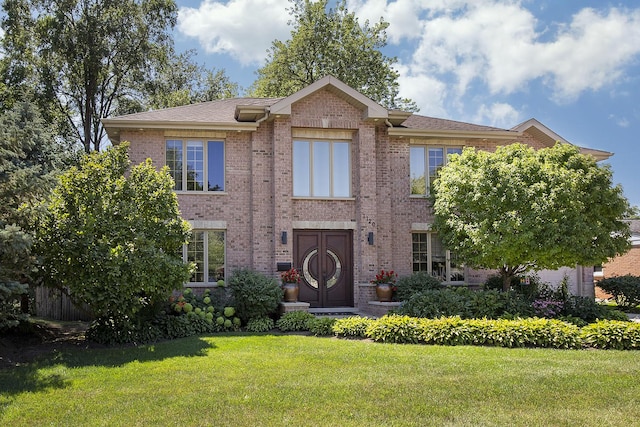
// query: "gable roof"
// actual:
[[371, 109], [542, 133]]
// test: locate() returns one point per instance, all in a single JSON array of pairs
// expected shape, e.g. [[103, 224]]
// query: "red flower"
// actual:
[[290, 276], [388, 276]]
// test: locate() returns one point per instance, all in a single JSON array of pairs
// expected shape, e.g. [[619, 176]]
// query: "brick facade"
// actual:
[[258, 204]]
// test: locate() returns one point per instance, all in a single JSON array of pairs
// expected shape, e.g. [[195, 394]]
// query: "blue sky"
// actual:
[[573, 64]]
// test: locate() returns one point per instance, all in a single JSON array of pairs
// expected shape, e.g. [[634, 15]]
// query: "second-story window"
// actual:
[[321, 169], [426, 161], [196, 165]]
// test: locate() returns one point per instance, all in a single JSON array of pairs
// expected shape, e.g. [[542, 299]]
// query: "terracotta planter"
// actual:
[[291, 291], [384, 292]]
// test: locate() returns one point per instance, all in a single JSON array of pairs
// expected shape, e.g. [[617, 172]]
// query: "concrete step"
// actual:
[[335, 311]]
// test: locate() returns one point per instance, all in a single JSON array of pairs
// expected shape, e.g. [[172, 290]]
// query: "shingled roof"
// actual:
[[245, 114]]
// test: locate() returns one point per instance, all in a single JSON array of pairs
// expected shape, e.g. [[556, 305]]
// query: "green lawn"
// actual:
[[269, 380]]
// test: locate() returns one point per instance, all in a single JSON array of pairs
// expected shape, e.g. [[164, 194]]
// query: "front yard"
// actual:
[[274, 380]]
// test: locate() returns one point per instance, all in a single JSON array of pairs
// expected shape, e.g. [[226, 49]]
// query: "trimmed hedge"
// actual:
[[352, 327], [529, 332], [612, 334]]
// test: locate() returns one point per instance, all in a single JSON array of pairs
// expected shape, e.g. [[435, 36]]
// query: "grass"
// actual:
[[275, 380]]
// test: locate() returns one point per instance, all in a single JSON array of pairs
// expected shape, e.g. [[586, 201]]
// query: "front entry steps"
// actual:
[[334, 311]]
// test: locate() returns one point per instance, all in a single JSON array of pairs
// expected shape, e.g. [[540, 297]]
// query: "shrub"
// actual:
[[255, 295], [416, 283], [435, 303], [396, 329], [260, 324], [111, 235], [321, 326], [612, 334], [295, 321], [625, 290], [532, 332], [547, 307], [586, 309], [352, 327], [490, 304]]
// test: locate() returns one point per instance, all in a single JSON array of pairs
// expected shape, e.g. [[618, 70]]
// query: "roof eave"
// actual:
[[114, 126], [453, 134]]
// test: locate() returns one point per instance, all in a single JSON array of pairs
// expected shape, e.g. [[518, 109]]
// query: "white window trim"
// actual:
[[429, 259], [205, 255]]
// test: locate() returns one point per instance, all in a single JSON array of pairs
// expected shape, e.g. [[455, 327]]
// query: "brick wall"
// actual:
[[257, 204]]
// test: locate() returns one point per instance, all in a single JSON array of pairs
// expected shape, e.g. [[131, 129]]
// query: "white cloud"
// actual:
[[244, 29], [497, 43], [497, 114], [427, 92], [622, 122]]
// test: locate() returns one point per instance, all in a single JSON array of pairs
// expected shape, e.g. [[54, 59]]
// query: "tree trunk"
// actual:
[[507, 274]]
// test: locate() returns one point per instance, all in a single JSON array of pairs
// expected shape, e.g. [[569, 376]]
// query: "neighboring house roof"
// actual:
[[246, 114], [634, 225]]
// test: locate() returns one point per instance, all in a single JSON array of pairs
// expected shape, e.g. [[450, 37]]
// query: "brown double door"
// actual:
[[325, 260]]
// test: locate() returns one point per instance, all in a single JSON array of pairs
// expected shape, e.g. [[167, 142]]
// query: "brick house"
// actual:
[[325, 180], [622, 265]]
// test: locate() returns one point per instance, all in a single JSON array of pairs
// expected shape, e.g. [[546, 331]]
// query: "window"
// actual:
[[321, 169], [430, 256], [426, 161], [206, 251], [196, 165]]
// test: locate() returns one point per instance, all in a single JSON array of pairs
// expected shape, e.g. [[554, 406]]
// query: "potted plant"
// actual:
[[290, 280], [385, 282]]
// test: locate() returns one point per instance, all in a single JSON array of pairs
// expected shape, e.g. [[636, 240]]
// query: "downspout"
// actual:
[[388, 123], [265, 117]]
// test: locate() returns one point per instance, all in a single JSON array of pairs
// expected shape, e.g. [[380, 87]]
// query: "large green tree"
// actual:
[[30, 159], [331, 41], [81, 57], [518, 209], [179, 80], [112, 236]]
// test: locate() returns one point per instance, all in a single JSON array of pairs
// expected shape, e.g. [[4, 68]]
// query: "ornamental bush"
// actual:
[[295, 321], [111, 235], [625, 290], [260, 324], [321, 326], [418, 282], [611, 334], [254, 294], [351, 327], [532, 332]]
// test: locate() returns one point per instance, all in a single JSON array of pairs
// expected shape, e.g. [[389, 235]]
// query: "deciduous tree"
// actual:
[[83, 56], [112, 238], [327, 41], [518, 209]]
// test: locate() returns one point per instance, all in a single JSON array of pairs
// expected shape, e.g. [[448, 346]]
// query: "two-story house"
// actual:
[[325, 180]]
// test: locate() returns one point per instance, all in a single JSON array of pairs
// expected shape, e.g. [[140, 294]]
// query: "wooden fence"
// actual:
[[53, 304]]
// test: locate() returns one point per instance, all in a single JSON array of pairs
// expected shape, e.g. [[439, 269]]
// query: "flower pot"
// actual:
[[384, 292], [291, 291]]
